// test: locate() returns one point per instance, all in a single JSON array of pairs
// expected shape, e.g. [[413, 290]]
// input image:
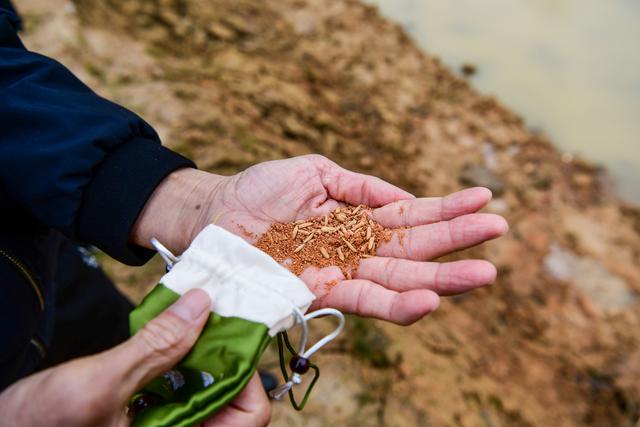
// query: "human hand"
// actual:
[[94, 390], [400, 284]]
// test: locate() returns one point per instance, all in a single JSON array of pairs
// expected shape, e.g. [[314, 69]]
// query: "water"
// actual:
[[570, 67]]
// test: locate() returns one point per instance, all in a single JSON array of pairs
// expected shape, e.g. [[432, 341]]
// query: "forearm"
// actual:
[[71, 160], [178, 209]]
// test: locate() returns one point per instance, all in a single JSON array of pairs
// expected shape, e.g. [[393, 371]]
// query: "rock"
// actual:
[[498, 206], [468, 69], [490, 157], [480, 176], [221, 31], [583, 179], [604, 289]]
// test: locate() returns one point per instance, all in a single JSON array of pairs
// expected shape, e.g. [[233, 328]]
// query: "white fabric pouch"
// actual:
[[241, 280]]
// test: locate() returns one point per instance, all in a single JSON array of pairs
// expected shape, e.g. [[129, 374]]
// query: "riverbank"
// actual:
[[556, 340], [568, 66]]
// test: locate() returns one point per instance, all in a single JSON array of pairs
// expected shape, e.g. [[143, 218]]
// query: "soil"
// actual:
[[342, 238], [555, 341]]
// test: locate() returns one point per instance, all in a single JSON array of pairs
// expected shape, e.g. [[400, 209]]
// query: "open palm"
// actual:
[[400, 284]]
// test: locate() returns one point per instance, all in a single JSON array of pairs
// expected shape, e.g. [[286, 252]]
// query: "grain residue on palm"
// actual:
[[340, 238]]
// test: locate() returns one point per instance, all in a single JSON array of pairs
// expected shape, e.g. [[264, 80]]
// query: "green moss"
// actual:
[[369, 343], [94, 70]]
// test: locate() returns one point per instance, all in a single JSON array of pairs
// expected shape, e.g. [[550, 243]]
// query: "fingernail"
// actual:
[[191, 305]]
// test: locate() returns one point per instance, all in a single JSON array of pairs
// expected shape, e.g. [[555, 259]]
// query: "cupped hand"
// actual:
[[402, 283], [94, 390]]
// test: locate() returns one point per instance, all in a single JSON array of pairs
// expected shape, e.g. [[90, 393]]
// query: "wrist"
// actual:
[[178, 209]]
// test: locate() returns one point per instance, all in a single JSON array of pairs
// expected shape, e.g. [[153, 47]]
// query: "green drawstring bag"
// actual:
[[253, 299]]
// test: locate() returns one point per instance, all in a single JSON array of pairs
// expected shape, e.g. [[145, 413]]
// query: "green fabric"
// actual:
[[228, 349]]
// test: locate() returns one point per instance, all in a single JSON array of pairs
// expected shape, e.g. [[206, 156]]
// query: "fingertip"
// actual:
[[192, 305], [484, 193], [484, 272], [433, 301], [200, 294], [493, 224], [465, 202], [414, 305], [502, 226], [326, 207], [475, 197]]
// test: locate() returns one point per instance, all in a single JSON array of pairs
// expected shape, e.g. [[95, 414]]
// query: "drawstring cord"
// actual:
[[299, 362], [168, 258]]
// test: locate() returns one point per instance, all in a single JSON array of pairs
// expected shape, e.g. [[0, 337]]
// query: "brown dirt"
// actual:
[[232, 83], [341, 238]]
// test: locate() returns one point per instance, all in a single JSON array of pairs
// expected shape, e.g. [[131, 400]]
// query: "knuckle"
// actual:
[[360, 301], [441, 277], [316, 157], [455, 231], [409, 245], [321, 162], [444, 208], [389, 270], [405, 212]]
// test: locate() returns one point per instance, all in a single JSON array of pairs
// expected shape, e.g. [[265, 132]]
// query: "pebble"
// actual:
[[480, 176]]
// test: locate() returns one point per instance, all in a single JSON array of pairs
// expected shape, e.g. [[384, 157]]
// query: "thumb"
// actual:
[[356, 188], [161, 343]]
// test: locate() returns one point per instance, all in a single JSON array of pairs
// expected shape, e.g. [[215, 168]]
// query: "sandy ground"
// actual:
[[555, 341]]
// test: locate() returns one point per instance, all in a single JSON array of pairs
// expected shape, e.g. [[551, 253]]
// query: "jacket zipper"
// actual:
[[42, 351], [26, 275]]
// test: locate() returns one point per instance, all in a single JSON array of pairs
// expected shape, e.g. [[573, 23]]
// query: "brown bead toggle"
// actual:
[[299, 365], [142, 402]]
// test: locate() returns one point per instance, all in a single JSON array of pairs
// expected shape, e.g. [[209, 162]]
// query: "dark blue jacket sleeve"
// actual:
[[71, 159]]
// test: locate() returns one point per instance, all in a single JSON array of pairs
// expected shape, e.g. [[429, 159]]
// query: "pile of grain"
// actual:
[[340, 238]]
